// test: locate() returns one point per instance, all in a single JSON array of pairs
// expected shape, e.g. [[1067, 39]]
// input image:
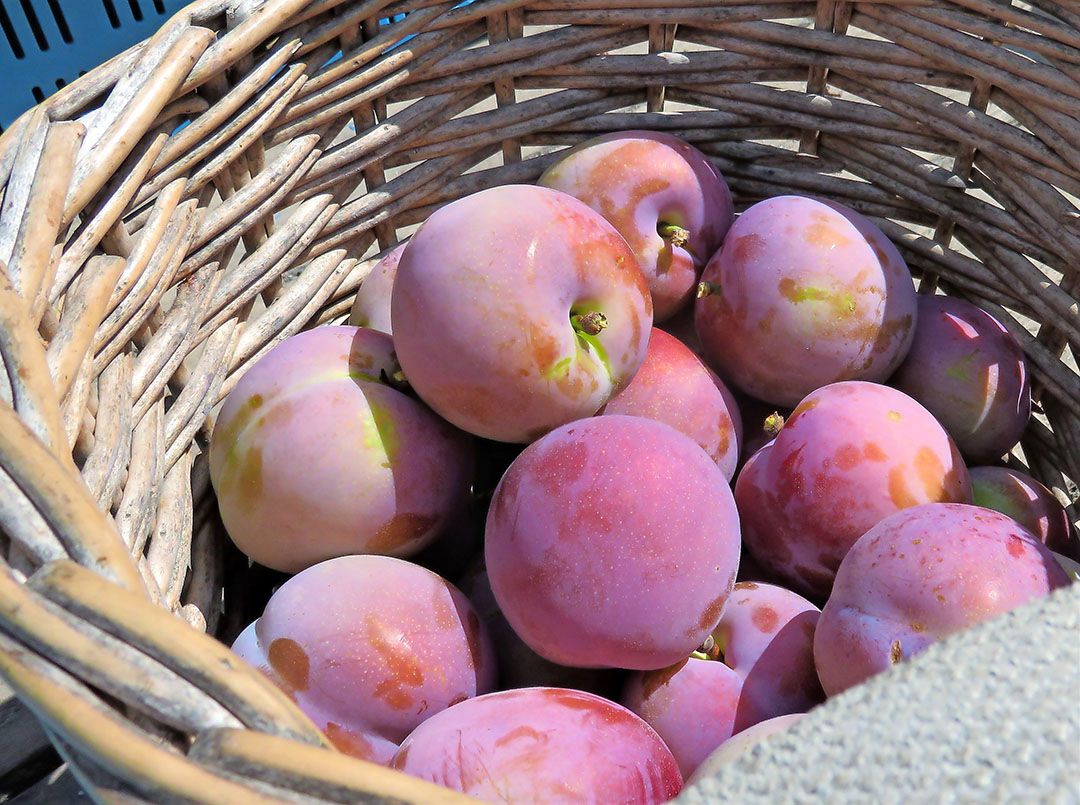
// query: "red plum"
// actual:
[[370, 646], [613, 542], [850, 455], [542, 745]]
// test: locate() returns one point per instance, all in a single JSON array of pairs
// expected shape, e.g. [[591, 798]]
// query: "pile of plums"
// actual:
[[502, 412]]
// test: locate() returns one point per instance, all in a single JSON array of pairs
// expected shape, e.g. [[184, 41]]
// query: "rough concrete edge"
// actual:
[[991, 714]]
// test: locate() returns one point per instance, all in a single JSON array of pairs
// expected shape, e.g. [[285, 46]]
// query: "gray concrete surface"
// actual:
[[991, 715]]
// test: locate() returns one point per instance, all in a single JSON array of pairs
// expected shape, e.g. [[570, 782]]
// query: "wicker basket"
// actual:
[[170, 216]]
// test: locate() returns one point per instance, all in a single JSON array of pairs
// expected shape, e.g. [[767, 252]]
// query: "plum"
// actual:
[[518, 309], [518, 665], [674, 387], [613, 542], [759, 664], [734, 747], [371, 308], [970, 373], [317, 454], [662, 195], [369, 647], [542, 745], [804, 293], [850, 455], [919, 576], [358, 743], [1028, 502]]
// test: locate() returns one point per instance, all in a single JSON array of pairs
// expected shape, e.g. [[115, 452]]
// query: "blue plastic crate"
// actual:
[[45, 44]]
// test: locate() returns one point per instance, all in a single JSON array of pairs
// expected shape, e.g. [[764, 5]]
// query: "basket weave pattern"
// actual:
[[176, 212]]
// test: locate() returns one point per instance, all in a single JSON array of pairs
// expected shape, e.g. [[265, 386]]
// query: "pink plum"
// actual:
[[760, 665], [804, 293], [1028, 502], [358, 743], [919, 576], [518, 309], [662, 195], [542, 745], [371, 308], [613, 542], [970, 373], [369, 647], [850, 455], [674, 387], [737, 745], [316, 454]]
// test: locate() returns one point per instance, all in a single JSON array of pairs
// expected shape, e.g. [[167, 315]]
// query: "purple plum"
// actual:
[[917, 577], [804, 293]]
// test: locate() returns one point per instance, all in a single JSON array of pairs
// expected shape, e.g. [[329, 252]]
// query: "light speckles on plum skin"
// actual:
[[544, 745], [801, 508], [920, 575], [655, 517], [371, 644], [806, 293]]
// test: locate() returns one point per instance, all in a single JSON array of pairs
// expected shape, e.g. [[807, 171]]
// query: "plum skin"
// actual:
[[804, 293], [654, 519], [919, 576], [370, 646], [640, 181], [970, 373], [733, 748], [1027, 501], [673, 386], [766, 636], [851, 454], [315, 455], [516, 326], [371, 307], [542, 745]]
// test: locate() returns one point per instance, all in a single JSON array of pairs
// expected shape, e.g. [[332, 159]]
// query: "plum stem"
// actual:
[[896, 653], [707, 289], [773, 424], [675, 235], [709, 650], [589, 323]]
